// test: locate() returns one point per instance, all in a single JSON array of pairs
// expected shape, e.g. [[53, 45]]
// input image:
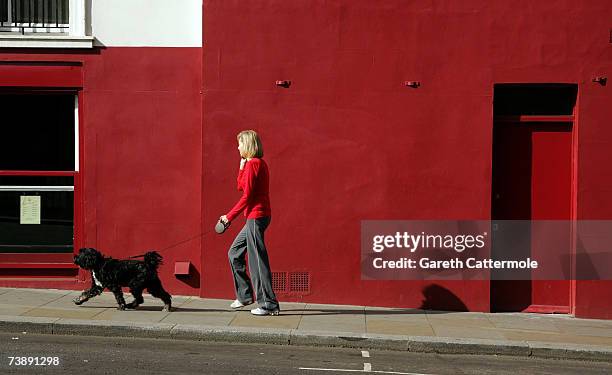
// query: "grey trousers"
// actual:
[[251, 240]]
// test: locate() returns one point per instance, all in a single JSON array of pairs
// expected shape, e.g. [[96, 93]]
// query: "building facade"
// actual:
[[121, 118]]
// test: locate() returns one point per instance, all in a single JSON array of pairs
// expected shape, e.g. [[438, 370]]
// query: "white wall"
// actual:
[[146, 23]]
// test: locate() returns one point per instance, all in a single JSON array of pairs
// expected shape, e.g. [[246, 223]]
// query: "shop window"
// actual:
[[38, 168]]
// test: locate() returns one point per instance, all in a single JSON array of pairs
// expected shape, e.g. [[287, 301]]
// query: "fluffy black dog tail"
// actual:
[[152, 260]]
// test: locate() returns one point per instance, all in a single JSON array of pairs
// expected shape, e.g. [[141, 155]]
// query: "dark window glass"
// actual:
[[54, 234], [3, 10], [41, 11], [37, 132]]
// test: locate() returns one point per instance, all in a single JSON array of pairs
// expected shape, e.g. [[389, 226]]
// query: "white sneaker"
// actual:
[[238, 304], [260, 311]]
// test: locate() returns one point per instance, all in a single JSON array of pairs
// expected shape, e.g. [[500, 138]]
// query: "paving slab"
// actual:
[[475, 323], [333, 317], [398, 327], [573, 322], [142, 316], [191, 318], [13, 309], [204, 305], [397, 322], [246, 319], [106, 300], [332, 310], [31, 297], [467, 332], [587, 331], [62, 313], [403, 315], [523, 323], [350, 323]]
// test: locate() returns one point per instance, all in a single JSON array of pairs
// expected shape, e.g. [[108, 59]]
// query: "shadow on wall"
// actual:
[[192, 279], [439, 298]]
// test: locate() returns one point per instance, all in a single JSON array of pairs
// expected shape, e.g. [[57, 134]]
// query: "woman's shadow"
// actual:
[[435, 298], [441, 299]]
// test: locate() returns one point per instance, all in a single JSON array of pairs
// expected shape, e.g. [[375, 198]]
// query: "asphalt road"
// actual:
[[95, 355]]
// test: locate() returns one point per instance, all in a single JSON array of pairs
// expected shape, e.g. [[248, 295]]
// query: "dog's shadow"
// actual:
[[155, 309]]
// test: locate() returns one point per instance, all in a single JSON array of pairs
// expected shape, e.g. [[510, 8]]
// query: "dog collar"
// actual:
[[98, 283]]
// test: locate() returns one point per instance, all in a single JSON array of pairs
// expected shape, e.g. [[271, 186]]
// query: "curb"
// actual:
[[244, 335], [451, 345], [417, 344]]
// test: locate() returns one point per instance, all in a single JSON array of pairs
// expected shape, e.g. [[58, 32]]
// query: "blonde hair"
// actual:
[[251, 144]]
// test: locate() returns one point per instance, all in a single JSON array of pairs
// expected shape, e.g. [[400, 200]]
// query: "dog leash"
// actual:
[[176, 244]]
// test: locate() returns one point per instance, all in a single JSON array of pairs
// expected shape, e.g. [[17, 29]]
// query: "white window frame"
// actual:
[[76, 133], [75, 37]]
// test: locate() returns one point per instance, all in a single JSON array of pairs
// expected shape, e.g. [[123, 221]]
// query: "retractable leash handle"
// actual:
[[220, 227]]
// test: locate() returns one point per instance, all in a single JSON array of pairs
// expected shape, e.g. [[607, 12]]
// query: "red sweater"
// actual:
[[253, 180]]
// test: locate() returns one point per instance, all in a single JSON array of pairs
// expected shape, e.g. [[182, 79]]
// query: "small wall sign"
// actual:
[[30, 209]]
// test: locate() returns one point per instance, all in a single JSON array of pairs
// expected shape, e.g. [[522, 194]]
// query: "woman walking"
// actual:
[[253, 181]]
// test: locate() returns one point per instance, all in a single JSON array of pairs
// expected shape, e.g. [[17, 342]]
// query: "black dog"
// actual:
[[112, 273]]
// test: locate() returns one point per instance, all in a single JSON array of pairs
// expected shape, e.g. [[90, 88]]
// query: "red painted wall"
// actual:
[[145, 155], [348, 142], [141, 145], [594, 298]]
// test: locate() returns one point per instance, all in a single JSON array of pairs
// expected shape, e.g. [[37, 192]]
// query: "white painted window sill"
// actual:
[[45, 41]]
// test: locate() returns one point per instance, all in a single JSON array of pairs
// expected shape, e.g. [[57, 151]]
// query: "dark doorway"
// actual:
[[532, 175]]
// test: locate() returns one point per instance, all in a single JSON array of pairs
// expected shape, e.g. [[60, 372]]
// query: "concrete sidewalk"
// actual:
[[551, 336]]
